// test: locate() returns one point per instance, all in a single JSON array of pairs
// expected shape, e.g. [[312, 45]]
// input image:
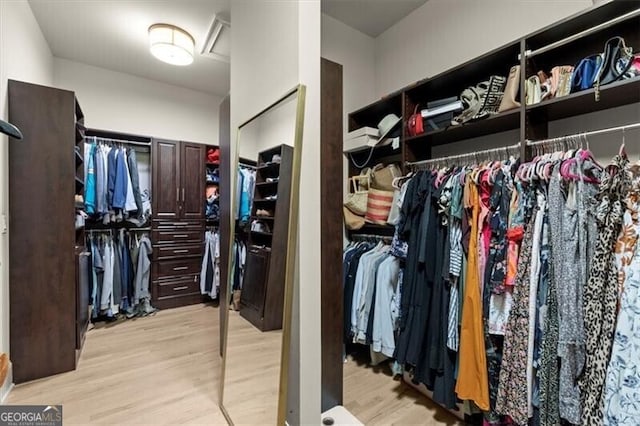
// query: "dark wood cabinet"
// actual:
[[83, 269], [42, 268], [255, 280], [178, 222], [192, 180], [166, 179], [262, 297]]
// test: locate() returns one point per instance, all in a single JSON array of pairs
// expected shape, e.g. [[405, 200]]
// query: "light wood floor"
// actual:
[[165, 369], [156, 370], [252, 374], [375, 398]]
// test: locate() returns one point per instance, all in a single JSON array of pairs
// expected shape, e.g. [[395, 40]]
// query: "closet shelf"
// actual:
[[612, 95], [213, 164], [505, 121], [264, 200], [372, 228], [272, 166], [263, 217], [268, 234], [79, 159], [275, 183], [79, 184]]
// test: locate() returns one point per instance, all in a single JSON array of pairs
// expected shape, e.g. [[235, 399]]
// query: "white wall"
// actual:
[[276, 127], [355, 51], [444, 33], [125, 103], [24, 55], [276, 45]]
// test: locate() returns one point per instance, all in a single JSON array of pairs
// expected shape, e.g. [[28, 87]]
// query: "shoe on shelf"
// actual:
[[271, 197], [263, 212], [276, 158], [271, 179]]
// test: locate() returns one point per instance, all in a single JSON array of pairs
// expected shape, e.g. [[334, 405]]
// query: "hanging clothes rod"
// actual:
[[532, 53], [120, 141], [364, 237], [247, 166], [476, 156], [97, 231], [584, 134]]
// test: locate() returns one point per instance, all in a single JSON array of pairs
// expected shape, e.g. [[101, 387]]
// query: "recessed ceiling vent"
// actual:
[[217, 45]]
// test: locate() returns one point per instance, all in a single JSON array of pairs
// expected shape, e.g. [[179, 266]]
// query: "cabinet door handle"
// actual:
[[181, 236], [180, 268], [181, 251], [183, 195], [182, 287], [177, 194]]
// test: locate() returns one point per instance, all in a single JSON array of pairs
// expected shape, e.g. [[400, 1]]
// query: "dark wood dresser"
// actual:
[[178, 225]]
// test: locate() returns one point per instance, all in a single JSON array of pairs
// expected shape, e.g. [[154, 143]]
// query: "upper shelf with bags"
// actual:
[[585, 63]]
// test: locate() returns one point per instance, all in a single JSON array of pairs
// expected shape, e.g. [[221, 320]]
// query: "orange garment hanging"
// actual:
[[473, 378]]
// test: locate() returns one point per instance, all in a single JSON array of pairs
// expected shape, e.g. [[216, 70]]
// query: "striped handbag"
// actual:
[[378, 206]]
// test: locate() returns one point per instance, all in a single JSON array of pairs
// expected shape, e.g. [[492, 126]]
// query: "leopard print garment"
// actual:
[[601, 291]]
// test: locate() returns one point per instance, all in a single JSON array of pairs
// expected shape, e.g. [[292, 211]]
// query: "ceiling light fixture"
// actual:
[[171, 44]]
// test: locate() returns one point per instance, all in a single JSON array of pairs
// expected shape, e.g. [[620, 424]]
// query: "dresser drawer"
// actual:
[[168, 268], [171, 236], [181, 286], [177, 225], [177, 251]]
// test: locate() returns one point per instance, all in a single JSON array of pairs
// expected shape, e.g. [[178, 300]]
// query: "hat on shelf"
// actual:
[[10, 130], [386, 125]]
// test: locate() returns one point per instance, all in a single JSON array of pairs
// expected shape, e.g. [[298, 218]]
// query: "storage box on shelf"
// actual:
[[370, 116]]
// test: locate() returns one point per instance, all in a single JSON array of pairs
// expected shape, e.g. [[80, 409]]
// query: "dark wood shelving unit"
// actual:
[[503, 122], [613, 95], [562, 43], [372, 228], [532, 121], [262, 296]]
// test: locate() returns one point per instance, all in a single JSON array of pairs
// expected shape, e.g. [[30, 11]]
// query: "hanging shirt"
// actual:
[[384, 320], [130, 203], [473, 380], [120, 188], [90, 182]]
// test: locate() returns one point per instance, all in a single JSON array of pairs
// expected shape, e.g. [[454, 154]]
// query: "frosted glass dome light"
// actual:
[[171, 44]]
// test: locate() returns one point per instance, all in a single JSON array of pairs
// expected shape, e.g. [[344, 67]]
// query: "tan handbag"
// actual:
[[511, 90], [378, 206], [357, 200], [382, 177], [351, 220], [561, 80]]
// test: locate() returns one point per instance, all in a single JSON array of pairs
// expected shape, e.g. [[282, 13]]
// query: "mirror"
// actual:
[[261, 264]]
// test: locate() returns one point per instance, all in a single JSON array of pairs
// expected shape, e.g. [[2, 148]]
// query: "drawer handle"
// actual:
[[181, 236], [183, 287], [179, 224], [181, 251], [180, 268]]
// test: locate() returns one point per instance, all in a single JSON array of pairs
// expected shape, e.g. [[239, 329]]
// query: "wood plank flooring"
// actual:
[[165, 369], [252, 373], [162, 369], [375, 398]]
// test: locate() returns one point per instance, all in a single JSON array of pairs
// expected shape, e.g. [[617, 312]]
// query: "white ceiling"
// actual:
[[372, 17], [112, 34]]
